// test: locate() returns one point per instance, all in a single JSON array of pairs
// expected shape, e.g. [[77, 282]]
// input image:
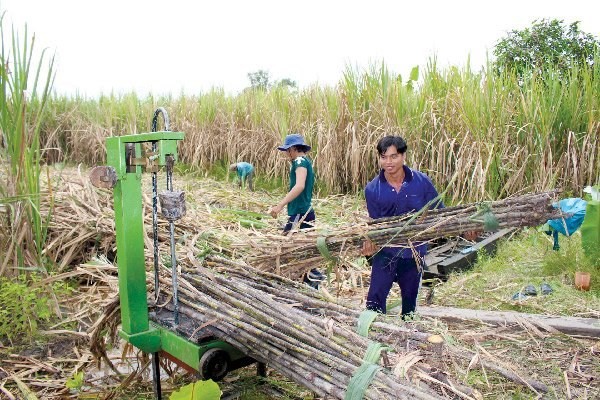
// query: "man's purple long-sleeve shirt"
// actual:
[[383, 201]]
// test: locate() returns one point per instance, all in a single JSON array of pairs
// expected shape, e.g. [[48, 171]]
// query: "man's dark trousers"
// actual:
[[385, 271]]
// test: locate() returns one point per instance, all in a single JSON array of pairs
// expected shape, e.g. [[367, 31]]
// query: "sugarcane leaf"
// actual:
[[393, 304], [414, 74], [75, 382], [593, 192], [405, 362], [201, 390], [29, 395], [322, 247], [249, 223]]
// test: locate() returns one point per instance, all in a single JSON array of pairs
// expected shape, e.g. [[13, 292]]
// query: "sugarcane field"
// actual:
[[436, 237]]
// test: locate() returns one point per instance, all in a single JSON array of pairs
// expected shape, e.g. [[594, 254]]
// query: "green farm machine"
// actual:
[[156, 330]]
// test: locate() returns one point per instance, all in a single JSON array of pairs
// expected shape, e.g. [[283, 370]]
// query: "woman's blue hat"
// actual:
[[293, 139]]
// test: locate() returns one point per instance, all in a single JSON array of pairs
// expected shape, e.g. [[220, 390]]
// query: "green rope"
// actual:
[[362, 377], [489, 220], [365, 319], [373, 353], [324, 250], [360, 381]]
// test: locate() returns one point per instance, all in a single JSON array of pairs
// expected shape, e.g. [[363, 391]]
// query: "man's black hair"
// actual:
[[387, 141]]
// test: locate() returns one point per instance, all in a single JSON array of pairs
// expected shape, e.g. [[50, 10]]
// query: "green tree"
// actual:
[[546, 44], [286, 82], [259, 79]]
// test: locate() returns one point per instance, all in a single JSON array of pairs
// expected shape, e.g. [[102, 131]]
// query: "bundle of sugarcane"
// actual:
[[291, 255], [386, 329], [331, 348], [310, 341]]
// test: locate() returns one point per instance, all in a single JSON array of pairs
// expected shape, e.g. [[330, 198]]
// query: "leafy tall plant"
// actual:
[[25, 83]]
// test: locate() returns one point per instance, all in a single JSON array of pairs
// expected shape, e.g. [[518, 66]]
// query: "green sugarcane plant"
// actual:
[[25, 82], [590, 228]]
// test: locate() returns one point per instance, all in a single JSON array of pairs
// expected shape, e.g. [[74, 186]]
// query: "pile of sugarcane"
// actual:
[[293, 254], [83, 222], [332, 349]]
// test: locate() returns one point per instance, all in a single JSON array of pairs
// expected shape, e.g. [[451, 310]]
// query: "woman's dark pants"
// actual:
[[314, 277]]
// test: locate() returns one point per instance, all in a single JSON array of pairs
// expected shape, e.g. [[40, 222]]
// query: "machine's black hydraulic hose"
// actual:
[[165, 115], [160, 110]]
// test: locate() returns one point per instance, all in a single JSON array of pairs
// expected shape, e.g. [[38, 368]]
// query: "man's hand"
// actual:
[[275, 210], [471, 235], [368, 248]]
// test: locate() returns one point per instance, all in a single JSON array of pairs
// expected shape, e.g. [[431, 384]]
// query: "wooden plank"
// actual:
[[568, 325]]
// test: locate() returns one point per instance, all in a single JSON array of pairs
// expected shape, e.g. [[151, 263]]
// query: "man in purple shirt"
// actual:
[[396, 190]]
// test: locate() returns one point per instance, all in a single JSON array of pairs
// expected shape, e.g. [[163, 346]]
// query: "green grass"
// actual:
[[570, 259], [220, 171], [526, 259], [242, 384], [27, 306]]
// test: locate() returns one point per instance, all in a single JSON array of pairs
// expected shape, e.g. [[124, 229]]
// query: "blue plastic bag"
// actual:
[[575, 208], [568, 226]]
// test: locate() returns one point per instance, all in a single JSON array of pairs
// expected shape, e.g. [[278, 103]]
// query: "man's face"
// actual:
[[391, 161]]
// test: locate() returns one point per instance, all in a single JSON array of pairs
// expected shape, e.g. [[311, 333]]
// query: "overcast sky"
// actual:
[[186, 45]]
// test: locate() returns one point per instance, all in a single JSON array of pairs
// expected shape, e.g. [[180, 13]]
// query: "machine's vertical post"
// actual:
[[129, 228]]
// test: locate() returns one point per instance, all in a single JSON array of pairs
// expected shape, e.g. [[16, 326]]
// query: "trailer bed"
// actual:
[[458, 254]]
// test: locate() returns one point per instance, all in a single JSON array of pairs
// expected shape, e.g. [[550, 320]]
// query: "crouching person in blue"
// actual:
[[396, 190], [245, 174]]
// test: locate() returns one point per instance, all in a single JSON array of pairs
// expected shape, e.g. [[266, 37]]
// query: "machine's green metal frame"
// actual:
[[136, 327]]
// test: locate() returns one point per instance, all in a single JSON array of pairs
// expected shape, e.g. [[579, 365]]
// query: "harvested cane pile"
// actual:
[[83, 223], [332, 349], [82, 219], [292, 255]]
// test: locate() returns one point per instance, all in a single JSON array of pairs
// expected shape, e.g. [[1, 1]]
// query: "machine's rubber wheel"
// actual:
[[214, 364]]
